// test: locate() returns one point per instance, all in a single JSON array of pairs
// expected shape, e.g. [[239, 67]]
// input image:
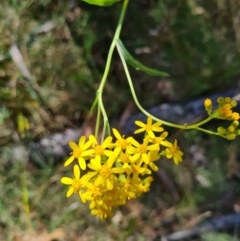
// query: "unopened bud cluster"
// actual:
[[224, 111]]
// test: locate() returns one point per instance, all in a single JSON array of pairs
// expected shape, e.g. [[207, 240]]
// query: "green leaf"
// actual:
[[134, 63], [102, 3], [93, 107]]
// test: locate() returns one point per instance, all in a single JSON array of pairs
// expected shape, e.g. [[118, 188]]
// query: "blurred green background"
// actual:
[[52, 56]]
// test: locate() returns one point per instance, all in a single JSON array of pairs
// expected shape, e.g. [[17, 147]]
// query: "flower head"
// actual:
[[76, 184], [101, 149], [104, 172], [208, 105], [121, 143], [141, 150], [79, 152], [173, 151], [224, 110], [149, 127]]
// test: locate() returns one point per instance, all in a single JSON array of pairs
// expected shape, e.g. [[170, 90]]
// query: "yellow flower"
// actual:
[[105, 172], [79, 152], [158, 140], [141, 150], [145, 184], [173, 151], [101, 212], [224, 110], [149, 127], [153, 156], [121, 143], [93, 194], [129, 187], [123, 158], [235, 116], [113, 198], [101, 149], [208, 105], [76, 184]]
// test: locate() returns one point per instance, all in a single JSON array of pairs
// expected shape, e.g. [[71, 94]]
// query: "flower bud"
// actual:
[[227, 99], [235, 124], [220, 100], [221, 130], [233, 103], [208, 105], [231, 136], [231, 128]]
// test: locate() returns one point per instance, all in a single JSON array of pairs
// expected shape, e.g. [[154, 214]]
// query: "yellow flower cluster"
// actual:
[[119, 170], [224, 111]]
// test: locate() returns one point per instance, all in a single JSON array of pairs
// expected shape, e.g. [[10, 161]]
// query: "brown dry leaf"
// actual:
[[194, 221], [57, 234]]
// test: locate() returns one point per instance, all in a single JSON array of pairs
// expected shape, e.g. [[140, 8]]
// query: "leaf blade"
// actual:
[[101, 3], [136, 64]]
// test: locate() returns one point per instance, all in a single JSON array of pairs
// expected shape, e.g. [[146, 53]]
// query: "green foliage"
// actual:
[[218, 236], [102, 3], [137, 65]]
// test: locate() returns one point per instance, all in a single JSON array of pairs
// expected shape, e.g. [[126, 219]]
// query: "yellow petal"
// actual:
[[154, 147], [118, 170], [82, 140], [135, 157], [151, 134], [98, 181], [87, 152], [135, 143], [157, 124], [132, 150], [139, 130], [97, 161], [76, 171], [70, 192], [69, 161], [66, 180], [107, 141], [139, 123], [82, 163], [153, 166], [73, 145], [145, 158], [149, 120], [92, 166], [116, 133], [93, 139], [108, 153], [109, 185], [87, 145], [166, 143], [91, 206], [111, 160], [157, 128], [82, 197]]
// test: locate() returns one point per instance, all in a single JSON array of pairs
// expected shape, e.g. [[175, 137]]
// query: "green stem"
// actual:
[[108, 63], [208, 131], [98, 121], [147, 113]]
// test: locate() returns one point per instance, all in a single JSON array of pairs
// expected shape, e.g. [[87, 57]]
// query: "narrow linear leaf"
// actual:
[[136, 64], [93, 107], [102, 3]]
